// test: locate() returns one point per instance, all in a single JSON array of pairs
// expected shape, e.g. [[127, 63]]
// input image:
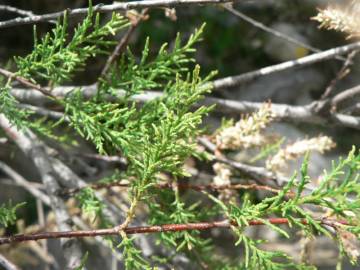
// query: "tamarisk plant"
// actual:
[[157, 138]]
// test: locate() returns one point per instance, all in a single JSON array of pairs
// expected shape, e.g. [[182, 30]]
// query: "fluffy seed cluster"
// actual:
[[222, 178], [298, 149], [340, 19], [223, 174], [246, 132]]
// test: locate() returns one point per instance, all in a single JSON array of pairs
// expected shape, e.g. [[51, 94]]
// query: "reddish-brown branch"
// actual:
[[155, 229], [26, 82], [121, 46]]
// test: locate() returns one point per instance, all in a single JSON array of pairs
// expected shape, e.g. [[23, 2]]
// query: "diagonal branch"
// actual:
[[340, 75], [121, 46], [233, 81], [296, 114], [269, 29], [352, 93], [21, 181], [25, 82], [6, 264], [19, 11], [260, 174]]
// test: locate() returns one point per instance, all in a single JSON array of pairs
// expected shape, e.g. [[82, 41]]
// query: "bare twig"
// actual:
[[351, 93], [19, 11], [354, 109], [329, 106], [158, 229], [121, 46], [108, 8], [269, 29], [34, 97], [110, 159], [347, 120], [26, 82], [6, 264], [340, 75], [21, 181], [233, 81], [260, 174], [42, 224], [44, 112], [22, 12], [8, 181], [283, 112]]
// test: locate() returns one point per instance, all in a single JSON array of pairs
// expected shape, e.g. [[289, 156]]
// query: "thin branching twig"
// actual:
[[108, 8], [158, 229]]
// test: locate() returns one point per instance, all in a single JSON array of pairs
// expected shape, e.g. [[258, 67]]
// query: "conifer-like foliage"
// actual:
[[158, 137], [8, 214]]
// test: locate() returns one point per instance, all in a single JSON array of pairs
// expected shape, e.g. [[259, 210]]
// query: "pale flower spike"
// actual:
[[246, 132], [340, 19], [222, 178], [298, 149], [223, 174]]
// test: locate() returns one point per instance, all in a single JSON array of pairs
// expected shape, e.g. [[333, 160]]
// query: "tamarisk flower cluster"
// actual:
[[340, 19], [298, 149], [222, 178], [246, 133]]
